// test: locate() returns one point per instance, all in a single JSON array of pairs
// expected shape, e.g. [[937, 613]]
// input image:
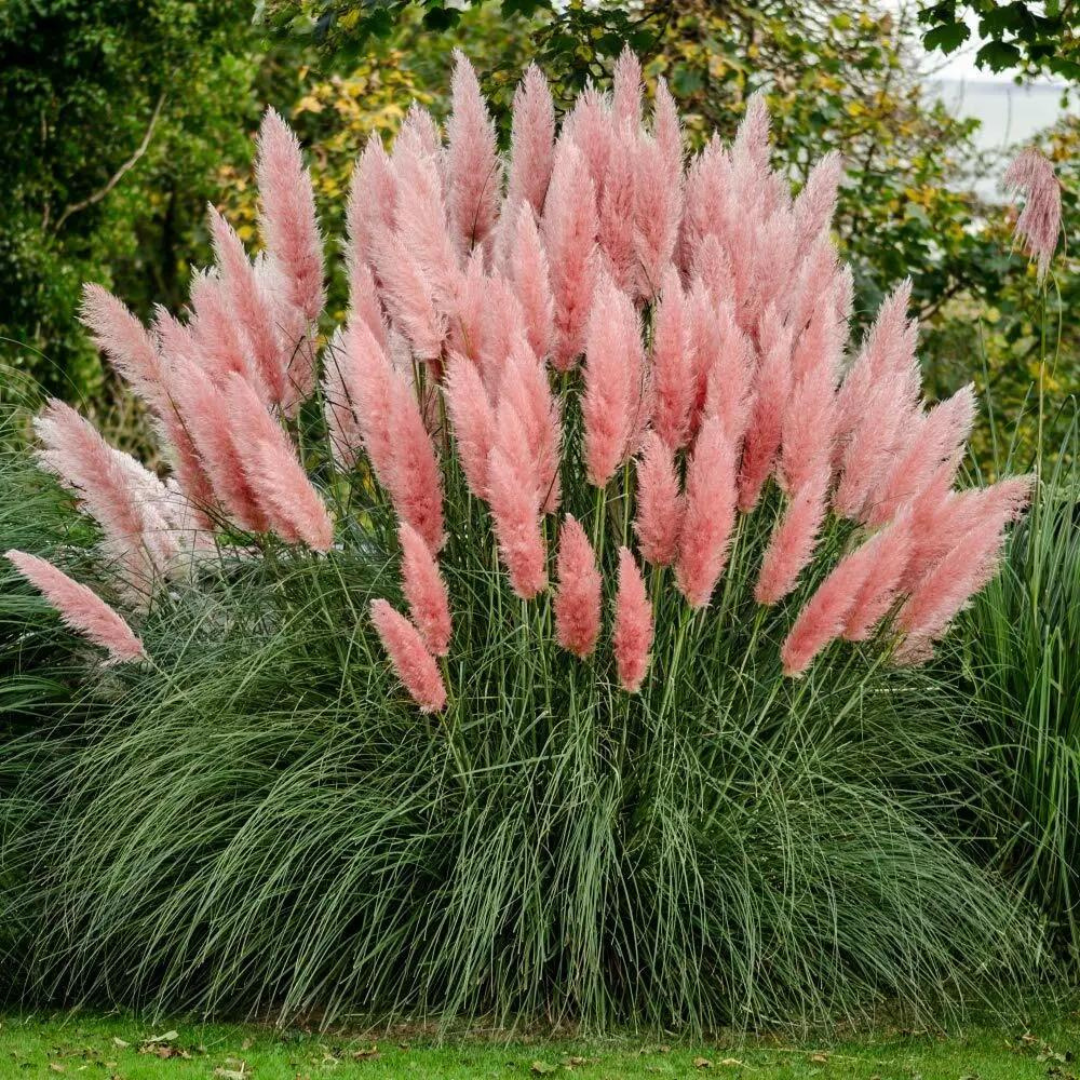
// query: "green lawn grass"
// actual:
[[125, 1048]]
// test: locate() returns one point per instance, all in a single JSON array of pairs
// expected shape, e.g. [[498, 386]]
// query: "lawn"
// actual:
[[124, 1048]]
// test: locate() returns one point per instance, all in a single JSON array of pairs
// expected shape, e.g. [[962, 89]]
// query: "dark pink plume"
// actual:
[[660, 504], [473, 420], [791, 546], [577, 598], [425, 591], [672, 368], [632, 636], [412, 663]]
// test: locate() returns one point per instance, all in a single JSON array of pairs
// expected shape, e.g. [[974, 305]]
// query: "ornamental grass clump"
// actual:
[[469, 631]]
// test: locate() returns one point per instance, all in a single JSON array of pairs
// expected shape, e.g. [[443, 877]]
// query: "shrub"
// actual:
[[632, 794]]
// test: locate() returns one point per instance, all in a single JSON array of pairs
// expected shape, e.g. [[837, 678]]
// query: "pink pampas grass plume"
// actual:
[[971, 563], [80, 608], [425, 591], [371, 205], [84, 463], [1039, 223], [792, 543], [205, 413], [473, 420], [577, 598], [590, 129], [412, 663], [419, 133], [816, 203], [771, 389], [657, 211], [660, 505], [671, 364], [281, 487], [633, 634], [252, 307], [616, 208], [287, 218], [516, 514], [472, 164], [710, 514], [125, 341], [667, 131], [529, 274], [532, 143], [893, 550], [613, 375], [364, 303], [626, 89], [415, 480], [931, 441], [525, 386], [368, 381], [722, 356], [339, 409], [569, 228]]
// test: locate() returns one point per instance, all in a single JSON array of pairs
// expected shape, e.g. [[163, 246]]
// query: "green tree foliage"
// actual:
[[113, 117]]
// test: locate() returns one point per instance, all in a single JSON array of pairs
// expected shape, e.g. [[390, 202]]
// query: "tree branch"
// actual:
[[117, 176]]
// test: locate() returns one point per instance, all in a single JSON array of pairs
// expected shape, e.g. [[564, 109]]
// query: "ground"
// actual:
[[125, 1048]]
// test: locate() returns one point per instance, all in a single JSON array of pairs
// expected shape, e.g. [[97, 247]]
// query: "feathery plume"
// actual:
[[415, 481], [425, 591], [125, 341], [532, 143], [792, 543], [472, 162], [626, 89], [577, 599], [372, 203], [411, 661], [368, 380], [473, 420], [893, 550], [516, 514], [657, 209], [532, 285], [633, 634], [710, 513], [525, 387], [1039, 223], [616, 204], [722, 359], [671, 364], [613, 374], [79, 608], [816, 203], [217, 334], [569, 229], [660, 504]]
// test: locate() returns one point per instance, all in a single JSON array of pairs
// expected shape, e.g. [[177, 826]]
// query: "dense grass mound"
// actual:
[[263, 819]]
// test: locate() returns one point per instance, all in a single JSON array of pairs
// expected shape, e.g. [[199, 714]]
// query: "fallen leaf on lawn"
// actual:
[[232, 1074], [820, 1059], [541, 1068], [733, 1063], [572, 1062], [365, 1053], [702, 1063], [119, 1042], [169, 1036], [56, 1068]]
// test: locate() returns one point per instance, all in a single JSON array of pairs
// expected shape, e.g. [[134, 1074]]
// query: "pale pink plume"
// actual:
[[206, 416], [616, 205], [216, 332], [750, 151], [667, 131], [125, 341], [368, 381], [408, 295], [532, 143], [422, 227], [79, 608], [425, 591], [577, 598], [626, 89], [528, 267], [764, 432], [710, 513], [671, 364], [472, 163], [931, 441], [287, 217], [657, 211], [281, 488], [87, 466], [1039, 223], [614, 369], [516, 514], [705, 203], [470, 314], [364, 302], [569, 229], [876, 402], [633, 633], [412, 663], [791, 546], [589, 127], [252, 306], [893, 546], [502, 327], [415, 480], [816, 203], [971, 563], [525, 386], [723, 359], [371, 205], [419, 133], [660, 505], [473, 420]]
